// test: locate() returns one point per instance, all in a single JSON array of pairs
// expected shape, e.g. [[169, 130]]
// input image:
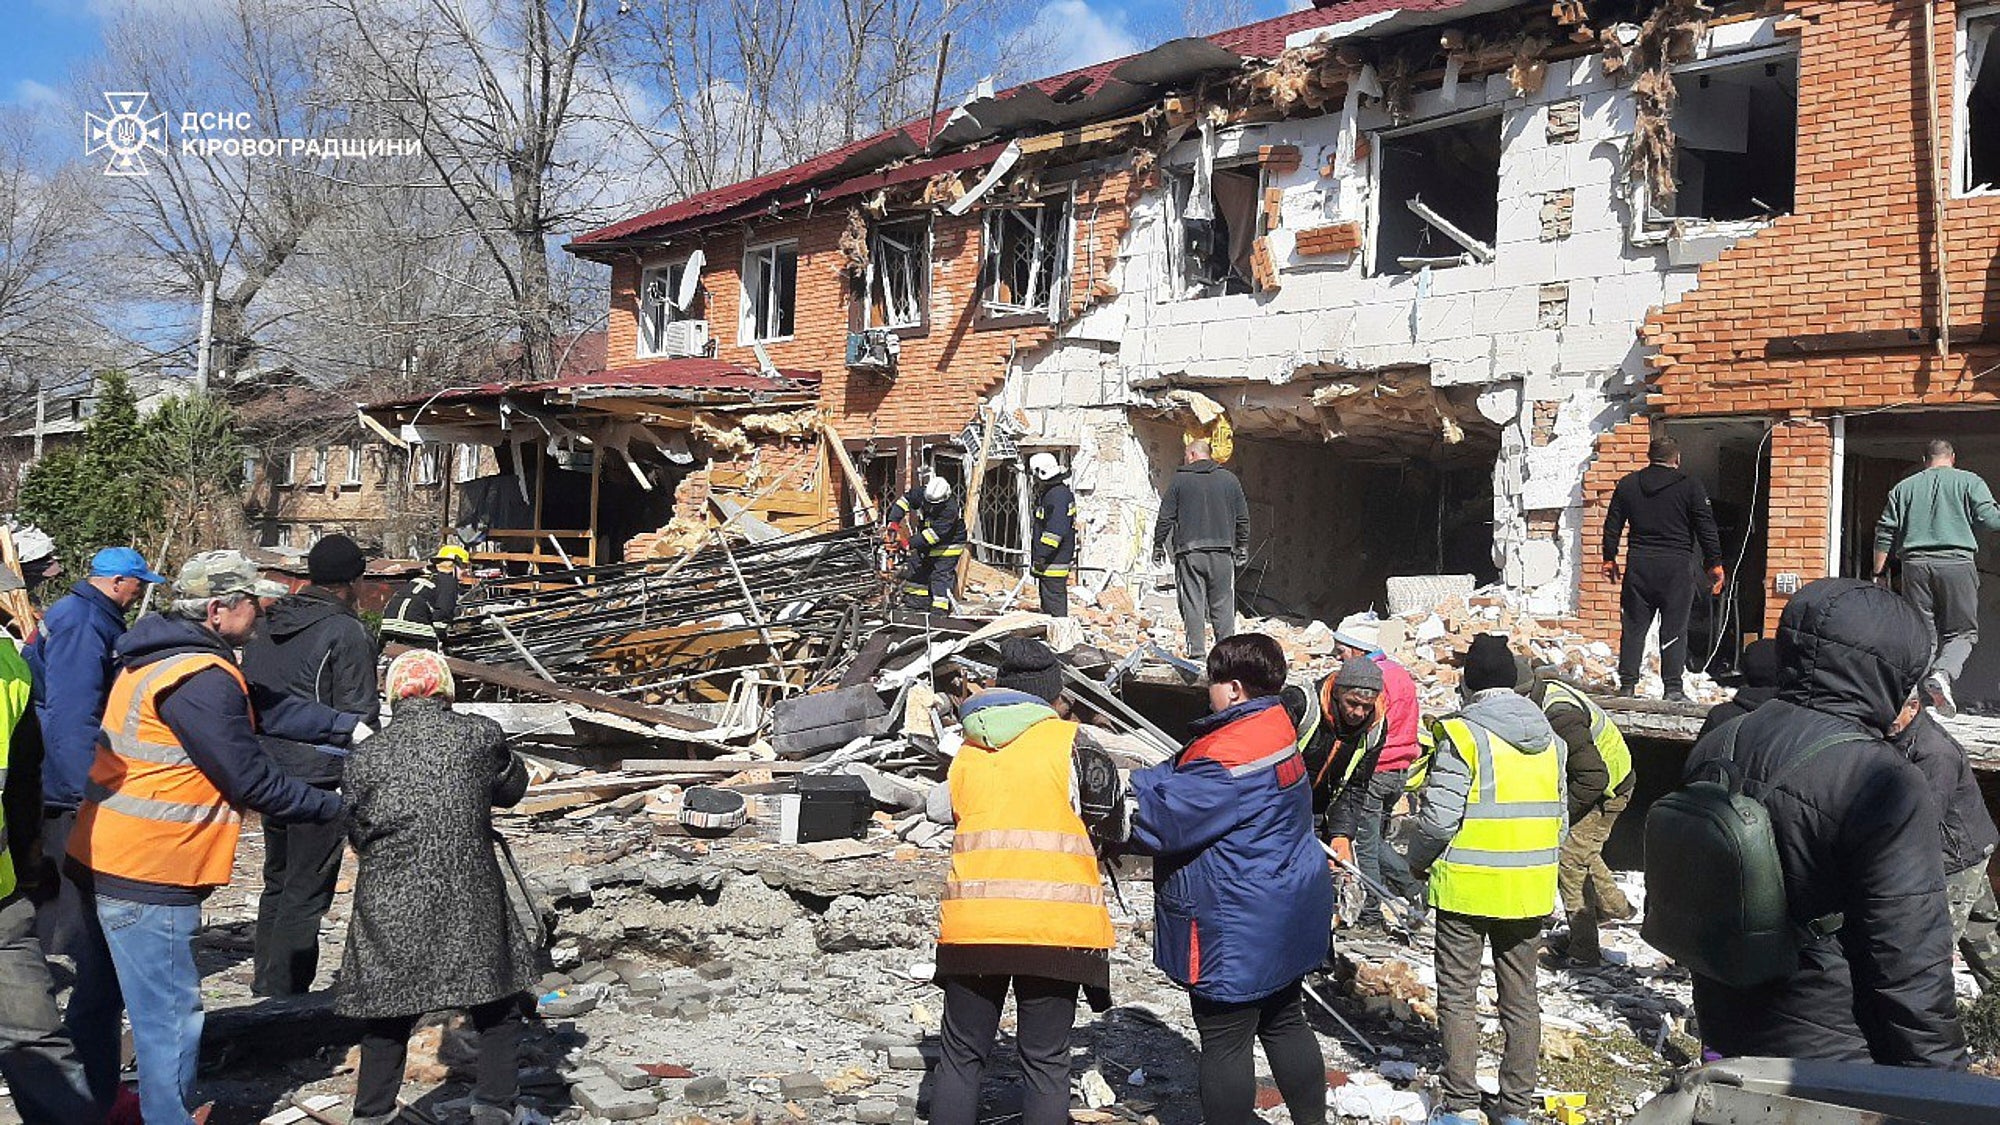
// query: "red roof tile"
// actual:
[[1264, 40]]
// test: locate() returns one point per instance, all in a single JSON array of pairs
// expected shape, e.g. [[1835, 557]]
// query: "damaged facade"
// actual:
[[1409, 250]]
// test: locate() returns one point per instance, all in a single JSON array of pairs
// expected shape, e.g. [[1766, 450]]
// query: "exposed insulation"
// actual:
[[1667, 37], [783, 424], [854, 245]]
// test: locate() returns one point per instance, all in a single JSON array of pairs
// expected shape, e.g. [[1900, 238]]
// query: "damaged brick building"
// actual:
[[1443, 265]]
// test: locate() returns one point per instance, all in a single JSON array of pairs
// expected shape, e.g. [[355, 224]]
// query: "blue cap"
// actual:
[[122, 562]]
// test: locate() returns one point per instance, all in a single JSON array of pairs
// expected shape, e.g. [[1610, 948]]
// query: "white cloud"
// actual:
[[29, 92], [1077, 35]]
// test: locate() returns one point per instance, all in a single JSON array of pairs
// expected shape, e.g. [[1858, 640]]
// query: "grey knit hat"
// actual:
[[1360, 673]]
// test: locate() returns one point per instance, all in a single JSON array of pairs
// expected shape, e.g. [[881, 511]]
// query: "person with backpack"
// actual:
[[1489, 834], [1805, 816]]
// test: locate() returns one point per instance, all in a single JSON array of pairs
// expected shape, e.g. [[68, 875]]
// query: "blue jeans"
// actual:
[[1372, 852], [92, 1018], [153, 949]]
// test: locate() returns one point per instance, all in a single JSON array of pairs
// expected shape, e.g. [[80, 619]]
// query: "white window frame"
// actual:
[[1376, 193], [426, 469], [466, 465], [251, 459], [915, 290], [321, 456], [1962, 78], [750, 326], [1650, 228], [1055, 288], [1181, 179], [284, 536], [286, 475], [352, 479], [651, 340]]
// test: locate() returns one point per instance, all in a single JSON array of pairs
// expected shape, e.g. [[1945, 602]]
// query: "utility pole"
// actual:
[[207, 332], [41, 417]]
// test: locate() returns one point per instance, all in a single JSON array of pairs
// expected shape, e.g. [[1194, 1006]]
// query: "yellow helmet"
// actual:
[[453, 553]]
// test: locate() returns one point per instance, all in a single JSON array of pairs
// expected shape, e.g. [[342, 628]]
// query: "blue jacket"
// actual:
[[71, 659], [1243, 901]]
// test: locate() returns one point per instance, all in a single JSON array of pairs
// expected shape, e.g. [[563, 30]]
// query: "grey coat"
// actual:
[[433, 927]]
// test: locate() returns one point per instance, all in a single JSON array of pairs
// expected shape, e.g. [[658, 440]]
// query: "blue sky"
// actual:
[[42, 42]]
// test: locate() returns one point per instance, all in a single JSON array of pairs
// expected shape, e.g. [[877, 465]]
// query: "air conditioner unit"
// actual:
[[873, 349], [685, 338]]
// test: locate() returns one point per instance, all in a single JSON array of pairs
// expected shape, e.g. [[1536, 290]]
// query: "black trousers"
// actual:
[[1229, 1070], [1054, 590], [385, 1044], [1046, 1009], [301, 866], [1663, 586]]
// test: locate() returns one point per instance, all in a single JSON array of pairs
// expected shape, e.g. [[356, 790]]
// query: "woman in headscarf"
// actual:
[[433, 928]]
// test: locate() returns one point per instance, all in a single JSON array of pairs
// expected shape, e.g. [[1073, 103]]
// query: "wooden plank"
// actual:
[[709, 766], [528, 683]]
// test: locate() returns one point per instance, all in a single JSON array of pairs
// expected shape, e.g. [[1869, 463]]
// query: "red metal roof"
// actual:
[[1264, 40], [693, 374]]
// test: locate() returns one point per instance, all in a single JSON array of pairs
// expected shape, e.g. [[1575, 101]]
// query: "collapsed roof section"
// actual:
[[939, 144], [1389, 415]]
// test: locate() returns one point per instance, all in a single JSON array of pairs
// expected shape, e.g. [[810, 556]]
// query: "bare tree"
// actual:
[[48, 331], [1206, 17]]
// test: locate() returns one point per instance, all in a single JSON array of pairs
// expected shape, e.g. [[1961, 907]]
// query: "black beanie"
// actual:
[[1489, 663], [334, 561], [1360, 672], [1759, 663], [1028, 665]]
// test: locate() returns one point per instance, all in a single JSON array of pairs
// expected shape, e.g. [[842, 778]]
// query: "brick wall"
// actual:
[[1801, 496], [944, 371], [1857, 253], [1620, 450]]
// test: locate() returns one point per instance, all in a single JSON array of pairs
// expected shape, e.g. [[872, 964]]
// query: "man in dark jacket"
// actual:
[[420, 611], [158, 827], [1857, 834], [1205, 521], [70, 657], [1053, 551], [937, 543], [1969, 839], [312, 645], [1670, 520], [1759, 667]]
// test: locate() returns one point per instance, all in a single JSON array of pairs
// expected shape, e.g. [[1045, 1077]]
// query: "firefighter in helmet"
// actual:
[[937, 542], [421, 610]]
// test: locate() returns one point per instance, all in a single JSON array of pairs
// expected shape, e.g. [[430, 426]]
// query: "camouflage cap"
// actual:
[[218, 574]]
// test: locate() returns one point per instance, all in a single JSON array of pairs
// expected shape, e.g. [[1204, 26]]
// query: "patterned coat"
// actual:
[[433, 926]]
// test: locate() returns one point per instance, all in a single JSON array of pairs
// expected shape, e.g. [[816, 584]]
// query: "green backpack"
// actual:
[[1715, 889]]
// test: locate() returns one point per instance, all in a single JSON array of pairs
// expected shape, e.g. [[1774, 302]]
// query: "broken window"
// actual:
[[1209, 246], [1439, 194], [770, 289], [353, 474], [899, 273], [426, 463], [1027, 258], [1735, 130], [318, 477], [1979, 116], [667, 295], [284, 536], [281, 468]]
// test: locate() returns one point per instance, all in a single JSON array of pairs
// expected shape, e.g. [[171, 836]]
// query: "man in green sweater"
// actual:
[[1928, 526]]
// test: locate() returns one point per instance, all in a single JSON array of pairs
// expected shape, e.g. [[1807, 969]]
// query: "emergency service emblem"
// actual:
[[126, 134]]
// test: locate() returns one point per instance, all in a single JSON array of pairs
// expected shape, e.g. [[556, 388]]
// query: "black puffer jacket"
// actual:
[[1759, 666], [313, 646], [1969, 833], [1668, 513], [1857, 832]]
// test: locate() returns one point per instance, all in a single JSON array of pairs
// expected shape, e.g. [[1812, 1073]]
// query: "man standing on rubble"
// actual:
[[1856, 833], [1600, 780], [1969, 839], [937, 542], [1670, 520], [312, 645], [421, 610], [1205, 521], [1489, 836], [1929, 526], [1360, 636], [1053, 551], [157, 831], [70, 657]]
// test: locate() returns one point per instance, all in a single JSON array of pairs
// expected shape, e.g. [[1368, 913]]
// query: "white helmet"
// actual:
[[937, 490], [1045, 466]]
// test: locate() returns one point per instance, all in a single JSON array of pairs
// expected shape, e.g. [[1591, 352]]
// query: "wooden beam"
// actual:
[[513, 679], [847, 469], [723, 766]]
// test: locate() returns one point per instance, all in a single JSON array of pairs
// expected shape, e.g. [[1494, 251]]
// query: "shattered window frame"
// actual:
[[284, 476], [654, 322], [1656, 226], [768, 306], [321, 457], [352, 477], [281, 535], [910, 238], [1379, 198], [1046, 226], [1179, 186], [1965, 80], [425, 467]]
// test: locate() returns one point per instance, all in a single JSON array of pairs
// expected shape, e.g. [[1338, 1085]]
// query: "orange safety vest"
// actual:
[[149, 814], [1023, 871]]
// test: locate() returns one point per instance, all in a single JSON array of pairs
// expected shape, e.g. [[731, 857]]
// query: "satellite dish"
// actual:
[[690, 280]]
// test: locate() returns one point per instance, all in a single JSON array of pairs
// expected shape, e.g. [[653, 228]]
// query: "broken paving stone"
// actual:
[[887, 1040], [875, 1111], [629, 1076], [613, 1102], [801, 1084], [906, 1057], [715, 970], [710, 1089], [567, 1005]]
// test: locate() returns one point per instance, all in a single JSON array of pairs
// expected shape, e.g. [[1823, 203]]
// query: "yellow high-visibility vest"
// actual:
[[16, 684], [1023, 871], [1605, 733], [1502, 862]]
